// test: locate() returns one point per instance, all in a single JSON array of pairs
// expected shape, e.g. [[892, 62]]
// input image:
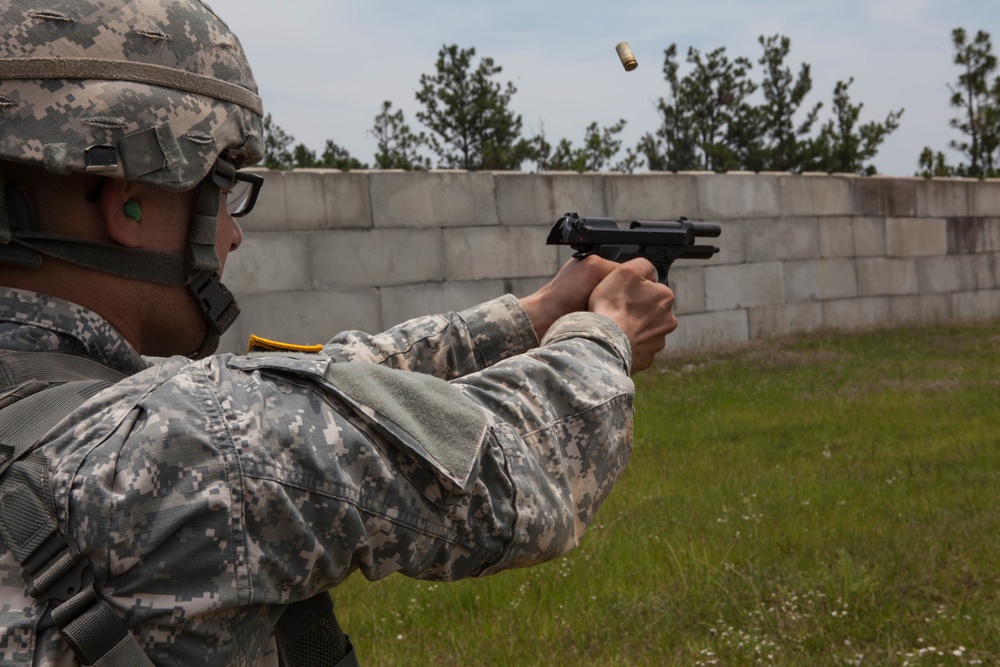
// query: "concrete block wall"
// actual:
[[326, 251]]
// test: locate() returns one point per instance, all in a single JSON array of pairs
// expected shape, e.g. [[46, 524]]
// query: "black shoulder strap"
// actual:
[[309, 635], [17, 367], [37, 391], [26, 411], [22, 424]]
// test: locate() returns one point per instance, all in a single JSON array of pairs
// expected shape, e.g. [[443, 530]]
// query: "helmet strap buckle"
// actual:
[[217, 304]]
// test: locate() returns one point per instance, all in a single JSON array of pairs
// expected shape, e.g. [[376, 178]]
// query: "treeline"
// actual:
[[724, 114], [976, 96]]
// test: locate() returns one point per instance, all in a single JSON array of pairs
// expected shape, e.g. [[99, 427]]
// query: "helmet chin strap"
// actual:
[[23, 242], [217, 304]]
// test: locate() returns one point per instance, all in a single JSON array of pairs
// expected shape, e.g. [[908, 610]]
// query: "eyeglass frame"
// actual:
[[225, 175]]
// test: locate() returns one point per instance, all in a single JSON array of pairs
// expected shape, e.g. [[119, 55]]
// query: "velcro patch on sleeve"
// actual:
[[258, 344]]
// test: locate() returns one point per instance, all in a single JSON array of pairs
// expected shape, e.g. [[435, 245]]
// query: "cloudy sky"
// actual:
[[325, 66]]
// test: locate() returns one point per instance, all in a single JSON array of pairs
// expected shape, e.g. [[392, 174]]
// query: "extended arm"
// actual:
[[456, 344]]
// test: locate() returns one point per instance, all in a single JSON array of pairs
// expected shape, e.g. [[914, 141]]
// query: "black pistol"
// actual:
[[659, 241]]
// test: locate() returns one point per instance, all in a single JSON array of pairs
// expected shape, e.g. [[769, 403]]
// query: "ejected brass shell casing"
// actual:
[[626, 56]]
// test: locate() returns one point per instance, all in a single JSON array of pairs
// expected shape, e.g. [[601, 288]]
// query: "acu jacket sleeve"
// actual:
[[445, 346], [504, 466]]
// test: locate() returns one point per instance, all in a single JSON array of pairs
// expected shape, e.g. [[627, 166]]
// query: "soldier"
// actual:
[[196, 509]]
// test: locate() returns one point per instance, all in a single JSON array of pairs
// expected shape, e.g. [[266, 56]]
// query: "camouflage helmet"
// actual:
[[153, 91], [157, 92]]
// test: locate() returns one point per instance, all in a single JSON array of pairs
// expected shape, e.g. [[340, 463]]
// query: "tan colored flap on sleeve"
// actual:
[[434, 419]]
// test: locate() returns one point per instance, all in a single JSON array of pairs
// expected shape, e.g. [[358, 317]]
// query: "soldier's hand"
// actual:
[[642, 307], [567, 293]]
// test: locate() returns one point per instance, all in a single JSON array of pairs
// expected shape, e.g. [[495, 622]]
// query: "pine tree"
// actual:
[[469, 113]]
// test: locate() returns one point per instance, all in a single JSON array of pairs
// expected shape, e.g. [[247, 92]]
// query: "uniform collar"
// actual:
[[35, 322]]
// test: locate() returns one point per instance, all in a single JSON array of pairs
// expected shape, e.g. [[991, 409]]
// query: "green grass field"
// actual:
[[823, 500]]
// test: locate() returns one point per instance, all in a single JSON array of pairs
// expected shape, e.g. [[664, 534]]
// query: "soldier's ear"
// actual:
[[121, 212]]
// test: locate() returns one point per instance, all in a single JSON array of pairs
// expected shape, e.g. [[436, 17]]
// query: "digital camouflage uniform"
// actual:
[[208, 494]]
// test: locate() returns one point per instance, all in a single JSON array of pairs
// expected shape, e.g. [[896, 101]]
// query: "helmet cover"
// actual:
[[153, 91]]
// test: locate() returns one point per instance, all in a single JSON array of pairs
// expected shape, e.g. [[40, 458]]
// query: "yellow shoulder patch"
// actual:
[[258, 344]]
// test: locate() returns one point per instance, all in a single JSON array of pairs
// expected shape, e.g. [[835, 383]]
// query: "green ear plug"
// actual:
[[132, 210]]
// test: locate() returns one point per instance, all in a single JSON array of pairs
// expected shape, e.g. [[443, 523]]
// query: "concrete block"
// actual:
[[233, 341], [856, 313], [433, 199], [708, 330], [784, 319], [919, 309], [909, 237], [782, 239], [732, 243], [836, 237], [726, 196], [901, 196], [973, 235], [744, 286], [520, 287], [532, 199], [867, 196], [269, 262], [820, 279], [405, 302], [815, 195], [688, 284], [305, 203], [887, 196], [869, 237], [311, 199], [347, 202], [652, 196], [953, 273], [376, 258], [477, 253], [887, 276], [987, 268], [985, 198], [945, 198], [303, 318], [981, 305]]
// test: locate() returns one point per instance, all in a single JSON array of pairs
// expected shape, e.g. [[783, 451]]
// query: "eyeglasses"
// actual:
[[240, 188]]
